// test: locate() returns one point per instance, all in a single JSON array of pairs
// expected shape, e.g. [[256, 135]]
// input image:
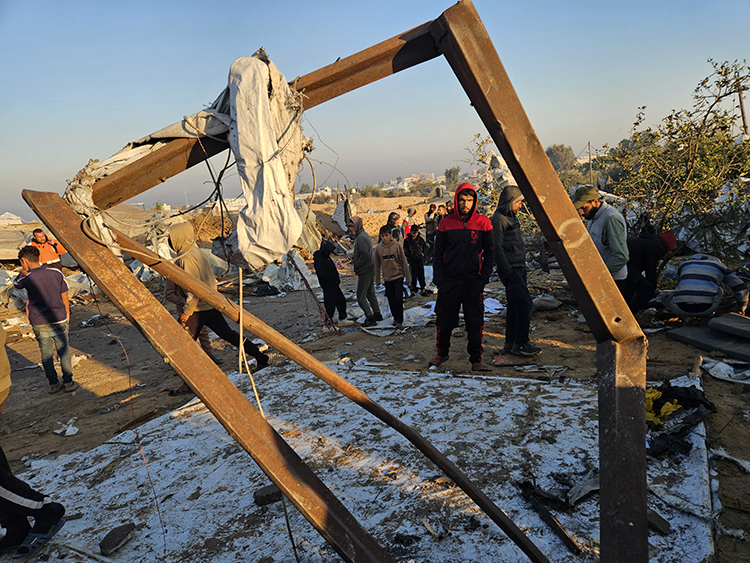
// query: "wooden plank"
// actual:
[[241, 420]]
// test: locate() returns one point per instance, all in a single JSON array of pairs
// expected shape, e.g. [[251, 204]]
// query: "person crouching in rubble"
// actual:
[[699, 291], [197, 313]]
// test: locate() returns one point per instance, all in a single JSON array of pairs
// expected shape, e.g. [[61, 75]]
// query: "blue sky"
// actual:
[[80, 79]]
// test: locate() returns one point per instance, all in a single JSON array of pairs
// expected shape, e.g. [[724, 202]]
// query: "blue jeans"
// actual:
[[53, 337]]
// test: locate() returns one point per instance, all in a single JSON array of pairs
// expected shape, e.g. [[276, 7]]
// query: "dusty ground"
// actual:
[[118, 364]]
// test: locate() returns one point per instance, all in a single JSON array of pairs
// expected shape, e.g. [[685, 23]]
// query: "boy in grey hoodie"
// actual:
[[389, 256], [363, 262]]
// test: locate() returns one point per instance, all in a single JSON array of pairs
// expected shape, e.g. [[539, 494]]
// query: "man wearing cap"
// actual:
[[510, 257], [462, 263], [607, 229]]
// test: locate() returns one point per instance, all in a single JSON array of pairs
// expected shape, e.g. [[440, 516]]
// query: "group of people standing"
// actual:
[[465, 250]]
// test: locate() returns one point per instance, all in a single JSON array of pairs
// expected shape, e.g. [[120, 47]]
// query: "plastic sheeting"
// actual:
[[287, 278], [259, 114]]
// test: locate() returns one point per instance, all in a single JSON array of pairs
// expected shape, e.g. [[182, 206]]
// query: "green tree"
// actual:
[[371, 191], [564, 162], [305, 189], [562, 157], [424, 188], [452, 178], [683, 173]]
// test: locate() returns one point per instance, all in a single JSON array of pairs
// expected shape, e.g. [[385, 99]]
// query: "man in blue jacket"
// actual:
[[462, 264]]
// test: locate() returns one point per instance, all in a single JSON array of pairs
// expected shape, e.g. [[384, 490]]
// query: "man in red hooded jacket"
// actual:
[[462, 263]]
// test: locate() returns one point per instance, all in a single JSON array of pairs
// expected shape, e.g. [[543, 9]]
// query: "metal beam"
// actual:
[[326, 374], [152, 169], [623, 524], [463, 40], [389, 57], [241, 420]]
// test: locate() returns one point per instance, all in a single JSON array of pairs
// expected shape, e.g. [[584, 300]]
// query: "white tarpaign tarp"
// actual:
[[269, 225], [260, 115]]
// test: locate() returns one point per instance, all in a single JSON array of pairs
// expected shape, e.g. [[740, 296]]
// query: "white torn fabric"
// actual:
[[344, 210], [259, 114], [269, 225]]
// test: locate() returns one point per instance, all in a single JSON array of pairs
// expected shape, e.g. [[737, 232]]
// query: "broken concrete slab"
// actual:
[[735, 324], [267, 495], [116, 538], [706, 338]]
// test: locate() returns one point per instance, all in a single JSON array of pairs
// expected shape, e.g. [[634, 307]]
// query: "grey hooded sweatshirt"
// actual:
[[363, 259]]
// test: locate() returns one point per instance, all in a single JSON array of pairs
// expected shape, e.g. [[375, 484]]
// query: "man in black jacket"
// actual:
[[646, 251], [329, 279], [510, 256]]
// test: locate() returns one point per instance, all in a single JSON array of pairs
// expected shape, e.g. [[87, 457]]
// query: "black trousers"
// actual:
[[520, 306], [417, 274], [637, 292], [333, 298], [395, 296], [451, 297], [17, 501], [216, 322]]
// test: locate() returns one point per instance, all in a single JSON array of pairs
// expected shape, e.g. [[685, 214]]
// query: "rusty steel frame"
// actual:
[[243, 422], [459, 35], [466, 45], [393, 55], [306, 360]]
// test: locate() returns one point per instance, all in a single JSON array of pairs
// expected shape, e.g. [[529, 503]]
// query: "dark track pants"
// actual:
[[520, 305], [395, 296], [17, 501], [417, 274], [333, 298], [450, 299], [216, 322]]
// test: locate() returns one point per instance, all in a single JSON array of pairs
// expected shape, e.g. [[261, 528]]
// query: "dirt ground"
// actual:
[[120, 374]]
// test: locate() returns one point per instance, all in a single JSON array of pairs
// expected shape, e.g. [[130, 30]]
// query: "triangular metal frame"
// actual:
[[459, 35]]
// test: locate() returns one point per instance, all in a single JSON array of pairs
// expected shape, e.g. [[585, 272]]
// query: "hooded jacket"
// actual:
[[395, 225], [328, 275], [194, 262], [464, 250], [392, 260], [363, 259], [510, 250]]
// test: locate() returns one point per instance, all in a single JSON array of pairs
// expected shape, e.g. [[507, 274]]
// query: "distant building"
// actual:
[[428, 177], [7, 219]]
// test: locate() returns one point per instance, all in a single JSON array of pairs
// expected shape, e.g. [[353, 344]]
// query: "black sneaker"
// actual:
[[378, 317], [527, 349], [370, 321]]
